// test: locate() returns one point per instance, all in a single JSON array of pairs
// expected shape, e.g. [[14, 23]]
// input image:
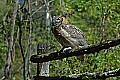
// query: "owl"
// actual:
[[68, 35]]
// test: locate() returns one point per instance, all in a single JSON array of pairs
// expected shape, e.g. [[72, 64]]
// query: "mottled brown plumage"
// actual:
[[68, 35]]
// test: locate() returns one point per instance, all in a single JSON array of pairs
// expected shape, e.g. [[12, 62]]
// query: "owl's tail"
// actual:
[[81, 57]]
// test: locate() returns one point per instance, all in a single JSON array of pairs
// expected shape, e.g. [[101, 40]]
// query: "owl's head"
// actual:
[[58, 20]]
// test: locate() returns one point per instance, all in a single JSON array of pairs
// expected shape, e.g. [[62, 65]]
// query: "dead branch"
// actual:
[[98, 75], [93, 76], [60, 55]]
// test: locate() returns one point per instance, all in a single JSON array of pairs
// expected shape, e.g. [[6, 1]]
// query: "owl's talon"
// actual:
[[67, 49]]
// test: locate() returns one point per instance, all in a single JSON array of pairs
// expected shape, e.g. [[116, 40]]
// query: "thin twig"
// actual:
[[39, 8]]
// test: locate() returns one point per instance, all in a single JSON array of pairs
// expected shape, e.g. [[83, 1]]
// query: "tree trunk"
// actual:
[[8, 66], [45, 65]]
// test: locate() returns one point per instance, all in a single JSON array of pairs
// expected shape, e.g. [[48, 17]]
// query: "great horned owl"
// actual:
[[68, 35]]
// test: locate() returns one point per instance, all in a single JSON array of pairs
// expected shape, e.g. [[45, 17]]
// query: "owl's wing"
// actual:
[[76, 33]]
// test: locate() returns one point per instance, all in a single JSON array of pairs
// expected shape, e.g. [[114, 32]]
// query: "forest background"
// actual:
[[25, 24]]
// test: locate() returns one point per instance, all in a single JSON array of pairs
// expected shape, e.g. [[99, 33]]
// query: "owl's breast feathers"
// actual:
[[61, 35]]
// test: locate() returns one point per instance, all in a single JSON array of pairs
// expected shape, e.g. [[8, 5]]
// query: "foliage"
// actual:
[[3, 48], [99, 19]]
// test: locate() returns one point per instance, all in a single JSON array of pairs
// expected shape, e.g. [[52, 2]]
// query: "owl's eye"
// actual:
[[58, 19]]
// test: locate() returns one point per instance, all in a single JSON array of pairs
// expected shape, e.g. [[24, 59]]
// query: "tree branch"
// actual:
[[39, 8], [98, 75], [60, 55]]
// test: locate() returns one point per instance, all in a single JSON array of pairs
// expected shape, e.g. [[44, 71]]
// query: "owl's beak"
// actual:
[[53, 21]]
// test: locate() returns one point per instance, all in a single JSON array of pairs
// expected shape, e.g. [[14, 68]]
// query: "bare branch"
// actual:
[[98, 75], [39, 8], [60, 55]]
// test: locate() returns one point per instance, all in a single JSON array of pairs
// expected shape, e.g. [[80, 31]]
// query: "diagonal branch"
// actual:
[[91, 76], [98, 75], [59, 55]]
